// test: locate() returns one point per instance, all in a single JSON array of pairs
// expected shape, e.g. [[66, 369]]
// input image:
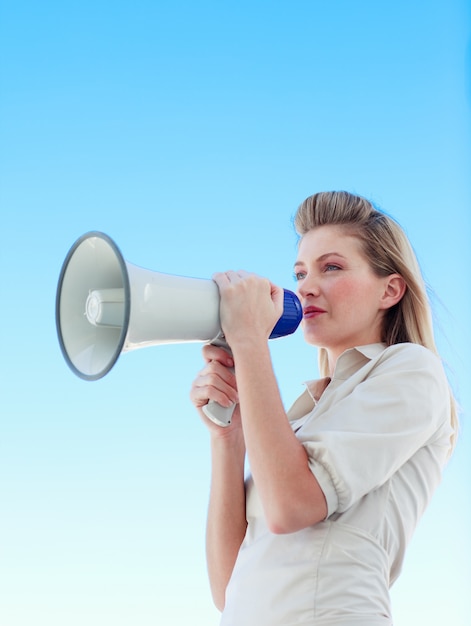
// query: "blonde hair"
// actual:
[[388, 250]]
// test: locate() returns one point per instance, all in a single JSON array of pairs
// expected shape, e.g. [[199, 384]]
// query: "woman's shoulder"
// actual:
[[410, 351], [413, 358]]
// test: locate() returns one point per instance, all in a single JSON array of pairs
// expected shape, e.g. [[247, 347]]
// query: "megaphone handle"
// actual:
[[220, 415]]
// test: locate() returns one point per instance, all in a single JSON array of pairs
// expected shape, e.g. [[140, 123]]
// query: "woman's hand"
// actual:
[[250, 306], [216, 381]]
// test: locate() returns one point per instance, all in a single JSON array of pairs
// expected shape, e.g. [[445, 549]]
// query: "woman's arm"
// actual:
[[226, 523], [290, 494]]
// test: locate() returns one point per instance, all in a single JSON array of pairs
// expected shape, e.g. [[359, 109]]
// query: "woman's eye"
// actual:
[[331, 268], [299, 275]]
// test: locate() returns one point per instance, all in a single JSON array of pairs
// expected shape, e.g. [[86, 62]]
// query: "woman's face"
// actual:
[[343, 300]]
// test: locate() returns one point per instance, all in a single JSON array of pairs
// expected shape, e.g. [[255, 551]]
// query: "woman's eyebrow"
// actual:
[[321, 258], [328, 254]]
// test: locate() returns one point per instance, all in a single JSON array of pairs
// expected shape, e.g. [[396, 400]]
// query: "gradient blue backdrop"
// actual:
[[189, 132]]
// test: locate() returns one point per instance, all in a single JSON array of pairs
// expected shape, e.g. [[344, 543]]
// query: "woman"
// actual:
[[316, 534]]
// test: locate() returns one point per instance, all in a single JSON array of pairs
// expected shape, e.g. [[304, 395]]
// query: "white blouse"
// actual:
[[377, 437]]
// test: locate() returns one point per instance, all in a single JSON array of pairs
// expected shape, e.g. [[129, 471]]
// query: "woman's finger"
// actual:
[[216, 353]]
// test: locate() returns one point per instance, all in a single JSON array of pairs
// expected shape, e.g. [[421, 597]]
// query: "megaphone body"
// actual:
[[106, 305]]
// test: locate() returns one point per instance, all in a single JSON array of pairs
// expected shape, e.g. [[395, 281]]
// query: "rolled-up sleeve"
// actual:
[[367, 426]]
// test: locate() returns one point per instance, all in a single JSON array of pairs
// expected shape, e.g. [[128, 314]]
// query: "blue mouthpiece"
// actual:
[[291, 318]]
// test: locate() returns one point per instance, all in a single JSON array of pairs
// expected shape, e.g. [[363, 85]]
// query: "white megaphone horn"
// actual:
[[105, 306]]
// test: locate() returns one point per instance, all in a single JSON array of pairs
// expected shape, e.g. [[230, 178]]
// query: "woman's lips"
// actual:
[[312, 311]]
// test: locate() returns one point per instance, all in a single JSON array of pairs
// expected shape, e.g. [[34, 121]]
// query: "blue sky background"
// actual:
[[190, 132]]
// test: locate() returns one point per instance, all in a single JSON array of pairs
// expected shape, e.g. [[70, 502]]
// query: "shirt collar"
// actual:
[[347, 364], [371, 350], [353, 359]]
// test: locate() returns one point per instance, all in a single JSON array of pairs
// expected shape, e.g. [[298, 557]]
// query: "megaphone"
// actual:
[[106, 306]]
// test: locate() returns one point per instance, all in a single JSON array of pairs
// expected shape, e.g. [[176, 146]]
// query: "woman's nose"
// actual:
[[308, 287]]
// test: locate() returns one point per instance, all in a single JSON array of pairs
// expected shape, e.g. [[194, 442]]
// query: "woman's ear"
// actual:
[[394, 289]]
